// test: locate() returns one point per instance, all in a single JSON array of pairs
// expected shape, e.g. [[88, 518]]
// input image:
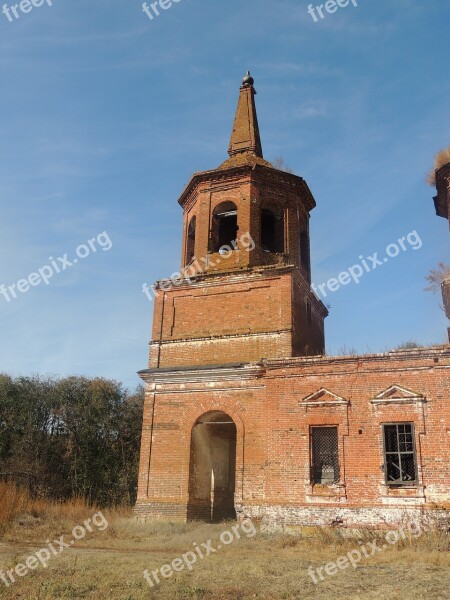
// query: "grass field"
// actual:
[[109, 561]]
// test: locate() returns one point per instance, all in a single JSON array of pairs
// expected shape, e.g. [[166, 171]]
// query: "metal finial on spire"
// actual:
[[248, 80]]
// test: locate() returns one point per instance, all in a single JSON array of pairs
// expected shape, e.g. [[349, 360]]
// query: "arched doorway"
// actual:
[[212, 472]]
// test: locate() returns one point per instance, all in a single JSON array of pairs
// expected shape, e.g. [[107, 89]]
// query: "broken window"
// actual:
[[224, 226], [399, 454], [272, 231], [190, 249], [324, 455]]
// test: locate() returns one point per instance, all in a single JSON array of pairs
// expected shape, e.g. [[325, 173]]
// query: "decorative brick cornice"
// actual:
[[276, 176], [226, 277], [222, 336], [435, 352], [205, 373]]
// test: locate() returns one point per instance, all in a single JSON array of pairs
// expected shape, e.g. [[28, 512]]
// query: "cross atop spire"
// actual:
[[245, 137]]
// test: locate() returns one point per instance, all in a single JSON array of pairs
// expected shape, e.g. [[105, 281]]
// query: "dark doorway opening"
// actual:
[[304, 251], [212, 472], [224, 226], [190, 250], [272, 231]]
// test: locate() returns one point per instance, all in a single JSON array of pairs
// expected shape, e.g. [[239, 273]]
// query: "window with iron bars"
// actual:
[[400, 466], [324, 455]]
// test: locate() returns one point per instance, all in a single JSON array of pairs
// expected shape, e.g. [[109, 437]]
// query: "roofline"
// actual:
[[248, 370], [211, 174]]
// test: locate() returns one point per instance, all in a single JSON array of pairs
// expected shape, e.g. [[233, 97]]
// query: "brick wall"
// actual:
[[273, 405], [251, 189], [442, 200], [220, 318]]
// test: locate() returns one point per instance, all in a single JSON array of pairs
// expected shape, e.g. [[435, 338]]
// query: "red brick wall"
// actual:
[[236, 317], [308, 336], [251, 190], [273, 406], [253, 303]]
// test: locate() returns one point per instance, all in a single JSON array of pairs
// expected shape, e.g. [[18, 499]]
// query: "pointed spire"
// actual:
[[245, 137]]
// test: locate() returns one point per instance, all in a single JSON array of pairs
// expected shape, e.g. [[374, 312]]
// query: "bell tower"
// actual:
[[244, 293]]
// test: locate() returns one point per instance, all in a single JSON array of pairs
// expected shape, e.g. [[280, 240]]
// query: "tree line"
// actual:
[[71, 437]]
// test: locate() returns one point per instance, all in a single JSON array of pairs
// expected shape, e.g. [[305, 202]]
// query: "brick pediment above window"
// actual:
[[396, 394], [324, 397]]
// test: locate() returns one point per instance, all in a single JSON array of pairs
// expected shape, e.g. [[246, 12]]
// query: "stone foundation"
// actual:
[[279, 517]]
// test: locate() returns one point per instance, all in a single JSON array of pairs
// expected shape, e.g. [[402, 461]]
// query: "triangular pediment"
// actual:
[[323, 397], [398, 394]]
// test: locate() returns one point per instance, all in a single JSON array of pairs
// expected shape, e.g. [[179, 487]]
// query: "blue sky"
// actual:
[[105, 115]]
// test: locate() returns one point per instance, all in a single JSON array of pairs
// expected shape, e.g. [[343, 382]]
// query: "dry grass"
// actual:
[[267, 566], [15, 502]]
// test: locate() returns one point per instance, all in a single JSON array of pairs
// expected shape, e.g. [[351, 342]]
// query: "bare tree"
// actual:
[[439, 280], [279, 164], [436, 277]]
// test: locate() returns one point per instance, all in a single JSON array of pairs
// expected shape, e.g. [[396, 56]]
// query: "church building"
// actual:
[[244, 414]]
